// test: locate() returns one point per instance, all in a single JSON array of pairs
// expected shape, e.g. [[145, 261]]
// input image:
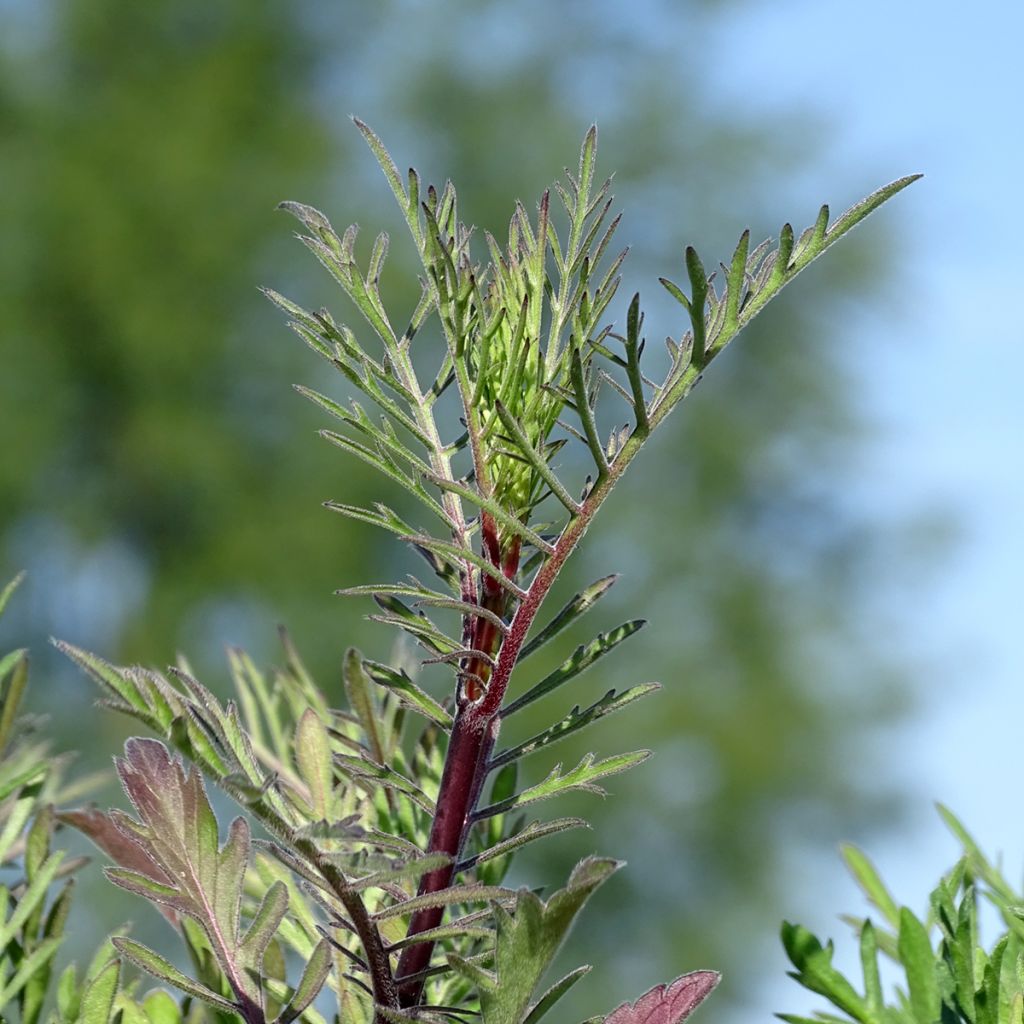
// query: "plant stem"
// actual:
[[476, 729], [385, 992], [476, 725]]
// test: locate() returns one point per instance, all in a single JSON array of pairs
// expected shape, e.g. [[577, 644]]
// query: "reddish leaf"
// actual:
[[667, 1004], [121, 848]]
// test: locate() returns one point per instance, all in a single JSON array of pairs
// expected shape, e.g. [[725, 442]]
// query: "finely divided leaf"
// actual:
[[574, 722], [583, 777]]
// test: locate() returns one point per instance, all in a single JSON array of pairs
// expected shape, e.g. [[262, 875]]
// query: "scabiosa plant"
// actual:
[[390, 825]]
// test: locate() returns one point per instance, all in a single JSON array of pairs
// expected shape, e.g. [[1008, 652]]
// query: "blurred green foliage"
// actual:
[[160, 482]]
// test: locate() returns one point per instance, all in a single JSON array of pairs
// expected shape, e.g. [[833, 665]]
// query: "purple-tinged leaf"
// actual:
[[120, 846], [122, 849], [667, 1004], [196, 877]]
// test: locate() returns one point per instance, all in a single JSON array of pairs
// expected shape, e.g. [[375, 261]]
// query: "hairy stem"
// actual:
[[385, 992], [477, 723]]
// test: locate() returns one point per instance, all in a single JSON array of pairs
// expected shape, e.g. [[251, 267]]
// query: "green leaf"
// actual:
[[553, 994], [68, 994], [313, 977], [9, 589], [915, 950], [313, 757], [161, 1007], [569, 613], [471, 926], [819, 238], [384, 776], [698, 299], [408, 693], [581, 659], [142, 885], [13, 681], [815, 971], [129, 690], [264, 926], [535, 830], [28, 968], [582, 778], [164, 970], [404, 871], [360, 699], [574, 722], [98, 998], [529, 936], [387, 165], [37, 843], [868, 879], [869, 965], [32, 898], [445, 898]]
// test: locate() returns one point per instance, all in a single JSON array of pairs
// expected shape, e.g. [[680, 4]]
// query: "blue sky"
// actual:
[[935, 88]]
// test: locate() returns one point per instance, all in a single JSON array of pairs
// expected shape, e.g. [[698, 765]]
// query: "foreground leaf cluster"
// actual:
[[947, 973], [364, 880]]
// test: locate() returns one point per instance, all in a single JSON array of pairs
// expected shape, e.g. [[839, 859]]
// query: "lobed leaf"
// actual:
[[668, 1004], [198, 878], [581, 778], [529, 936]]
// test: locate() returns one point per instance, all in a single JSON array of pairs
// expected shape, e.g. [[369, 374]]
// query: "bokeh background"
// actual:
[[826, 539]]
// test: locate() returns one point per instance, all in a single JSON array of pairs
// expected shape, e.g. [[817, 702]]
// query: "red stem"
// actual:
[[472, 739]]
